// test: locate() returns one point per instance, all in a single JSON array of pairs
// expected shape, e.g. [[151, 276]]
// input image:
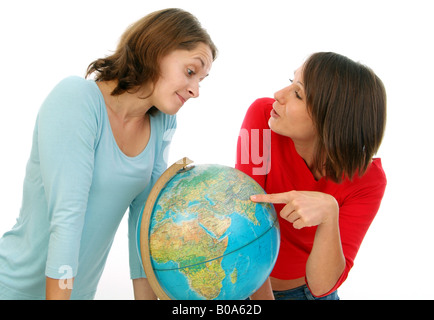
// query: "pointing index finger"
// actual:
[[270, 198]]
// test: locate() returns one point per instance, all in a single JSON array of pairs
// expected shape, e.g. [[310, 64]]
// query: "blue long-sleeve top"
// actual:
[[77, 187]]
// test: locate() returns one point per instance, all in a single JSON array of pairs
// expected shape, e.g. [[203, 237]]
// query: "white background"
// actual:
[[261, 43]]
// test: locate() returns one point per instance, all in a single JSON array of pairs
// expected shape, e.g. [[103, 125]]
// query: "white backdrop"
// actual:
[[261, 43]]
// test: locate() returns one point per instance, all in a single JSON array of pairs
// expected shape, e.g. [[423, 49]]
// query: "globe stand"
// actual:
[[146, 219]]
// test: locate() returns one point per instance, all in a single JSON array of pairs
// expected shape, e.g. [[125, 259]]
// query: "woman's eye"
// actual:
[[190, 72], [297, 95]]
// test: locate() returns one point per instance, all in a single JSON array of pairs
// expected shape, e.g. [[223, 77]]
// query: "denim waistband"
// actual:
[[302, 293]]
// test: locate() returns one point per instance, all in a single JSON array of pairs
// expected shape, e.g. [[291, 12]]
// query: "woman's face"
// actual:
[[289, 116], [181, 72]]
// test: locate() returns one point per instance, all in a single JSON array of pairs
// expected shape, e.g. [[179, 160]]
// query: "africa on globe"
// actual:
[[201, 237]]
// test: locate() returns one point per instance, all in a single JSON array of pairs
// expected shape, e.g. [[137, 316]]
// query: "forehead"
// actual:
[[201, 54], [299, 72]]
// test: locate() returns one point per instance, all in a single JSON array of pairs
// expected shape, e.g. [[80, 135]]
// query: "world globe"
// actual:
[[202, 238]]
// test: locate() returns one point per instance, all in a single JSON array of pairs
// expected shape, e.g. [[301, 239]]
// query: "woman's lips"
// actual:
[[181, 98], [274, 114]]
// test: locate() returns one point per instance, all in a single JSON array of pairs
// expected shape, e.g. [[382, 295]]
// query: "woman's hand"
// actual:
[[303, 208], [326, 260]]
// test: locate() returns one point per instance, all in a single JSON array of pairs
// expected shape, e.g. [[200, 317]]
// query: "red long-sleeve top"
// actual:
[[272, 160]]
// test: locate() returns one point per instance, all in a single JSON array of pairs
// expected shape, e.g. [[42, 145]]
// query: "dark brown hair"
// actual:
[[136, 59], [347, 103]]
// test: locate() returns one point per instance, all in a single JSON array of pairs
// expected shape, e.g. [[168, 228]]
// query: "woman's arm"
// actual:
[[264, 292], [56, 289], [143, 290], [141, 286], [326, 261], [65, 137]]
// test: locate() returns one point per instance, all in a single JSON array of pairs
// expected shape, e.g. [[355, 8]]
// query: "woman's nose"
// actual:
[[279, 95], [193, 90]]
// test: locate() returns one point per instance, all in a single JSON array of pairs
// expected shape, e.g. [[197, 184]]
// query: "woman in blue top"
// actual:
[[98, 147]]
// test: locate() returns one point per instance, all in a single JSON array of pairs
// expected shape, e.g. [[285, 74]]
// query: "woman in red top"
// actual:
[[317, 166]]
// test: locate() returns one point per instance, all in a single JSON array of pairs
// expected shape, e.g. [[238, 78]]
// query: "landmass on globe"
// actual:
[[191, 226]]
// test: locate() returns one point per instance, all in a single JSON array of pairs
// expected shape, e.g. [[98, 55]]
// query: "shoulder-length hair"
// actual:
[[136, 61], [347, 103]]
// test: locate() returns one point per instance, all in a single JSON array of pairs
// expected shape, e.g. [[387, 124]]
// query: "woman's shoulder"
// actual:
[[258, 113], [75, 90], [77, 86], [73, 97], [262, 105], [372, 183], [165, 123], [375, 173], [72, 82]]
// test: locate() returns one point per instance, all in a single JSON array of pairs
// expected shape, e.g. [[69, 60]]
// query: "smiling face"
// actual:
[[290, 116], [181, 72]]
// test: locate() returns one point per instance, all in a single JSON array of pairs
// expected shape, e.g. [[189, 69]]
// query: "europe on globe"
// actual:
[[201, 237]]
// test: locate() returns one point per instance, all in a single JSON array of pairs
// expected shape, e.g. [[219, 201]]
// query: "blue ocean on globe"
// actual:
[[207, 239]]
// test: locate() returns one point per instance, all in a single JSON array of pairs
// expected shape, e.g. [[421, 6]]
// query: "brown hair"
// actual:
[[136, 59], [347, 103]]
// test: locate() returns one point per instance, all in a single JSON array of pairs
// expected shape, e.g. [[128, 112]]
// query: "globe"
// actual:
[[201, 237]]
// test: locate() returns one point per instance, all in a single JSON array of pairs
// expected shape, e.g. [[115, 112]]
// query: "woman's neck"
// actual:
[[307, 152], [126, 106]]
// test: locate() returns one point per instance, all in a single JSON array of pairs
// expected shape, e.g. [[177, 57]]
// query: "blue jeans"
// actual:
[[302, 293]]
